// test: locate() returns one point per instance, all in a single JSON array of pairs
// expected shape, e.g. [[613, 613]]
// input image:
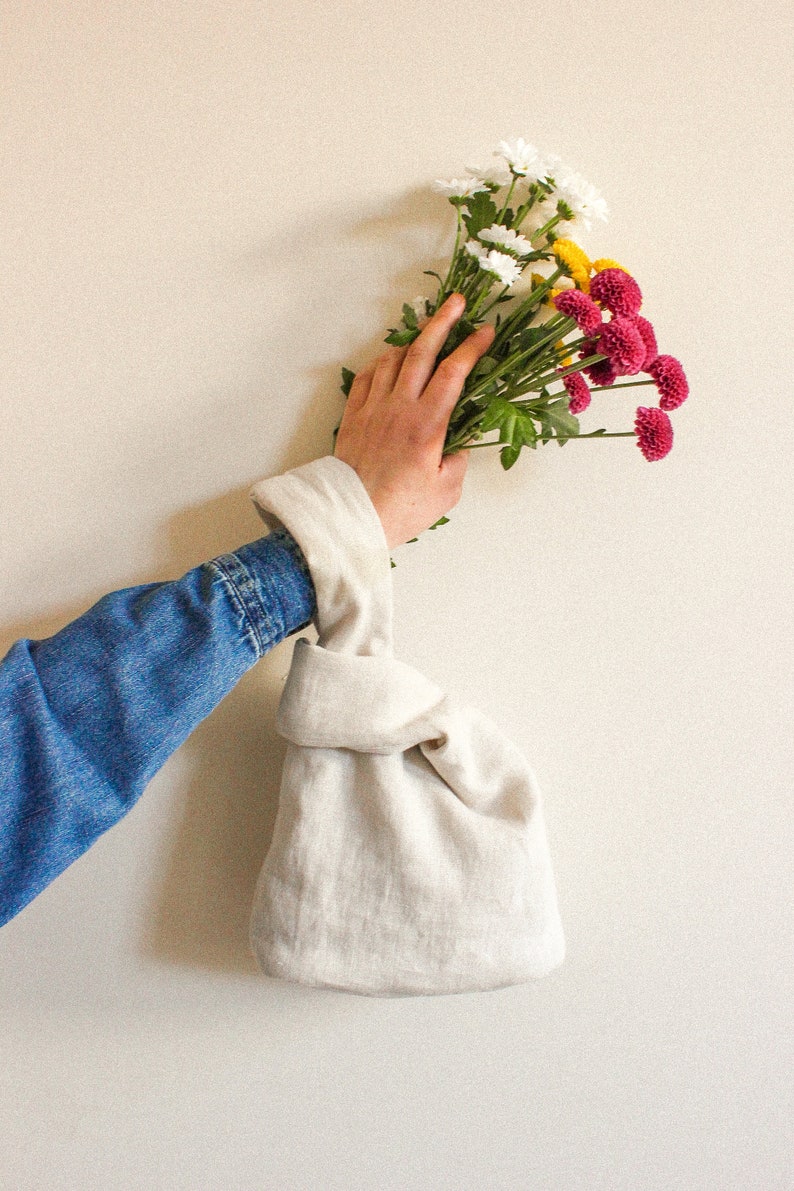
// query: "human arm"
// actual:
[[89, 715]]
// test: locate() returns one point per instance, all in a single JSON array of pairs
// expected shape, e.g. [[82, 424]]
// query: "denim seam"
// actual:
[[240, 586]]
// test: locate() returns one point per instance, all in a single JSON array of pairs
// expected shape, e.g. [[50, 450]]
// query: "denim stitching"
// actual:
[[242, 589]]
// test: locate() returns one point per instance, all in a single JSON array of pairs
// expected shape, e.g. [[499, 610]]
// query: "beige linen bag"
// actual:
[[409, 854]]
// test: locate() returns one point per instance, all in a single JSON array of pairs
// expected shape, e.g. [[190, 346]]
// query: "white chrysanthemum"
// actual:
[[505, 267], [474, 248], [505, 237], [551, 166], [420, 308], [583, 199], [459, 187], [496, 176], [523, 159]]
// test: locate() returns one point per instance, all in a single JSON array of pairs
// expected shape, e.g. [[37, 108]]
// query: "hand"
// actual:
[[395, 422]]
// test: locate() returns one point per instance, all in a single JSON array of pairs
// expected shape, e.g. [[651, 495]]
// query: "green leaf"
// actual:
[[462, 329], [526, 432], [498, 410], [508, 456], [530, 336], [441, 521], [557, 421], [484, 365], [514, 423], [401, 338], [409, 317], [507, 429], [347, 381], [482, 212]]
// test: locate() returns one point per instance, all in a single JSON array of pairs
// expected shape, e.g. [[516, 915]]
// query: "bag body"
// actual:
[[409, 855]]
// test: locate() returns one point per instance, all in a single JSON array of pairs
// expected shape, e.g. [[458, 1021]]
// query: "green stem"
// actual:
[[599, 434], [452, 263], [501, 214], [473, 310], [546, 227], [491, 305], [475, 446], [460, 436], [526, 207], [533, 298], [541, 382], [629, 384]]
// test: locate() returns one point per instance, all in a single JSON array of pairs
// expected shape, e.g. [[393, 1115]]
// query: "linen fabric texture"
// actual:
[[409, 854]]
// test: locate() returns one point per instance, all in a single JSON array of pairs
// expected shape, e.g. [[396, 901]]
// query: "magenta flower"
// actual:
[[580, 306], [654, 433], [649, 339], [601, 373], [578, 392], [616, 290], [670, 381], [622, 343]]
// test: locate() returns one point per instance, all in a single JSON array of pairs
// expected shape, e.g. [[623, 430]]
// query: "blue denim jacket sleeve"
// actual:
[[89, 715]]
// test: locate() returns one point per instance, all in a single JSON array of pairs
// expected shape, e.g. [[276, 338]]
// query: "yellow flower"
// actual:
[[568, 359], [570, 254], [605, 263], [552, 294], [538, 279]]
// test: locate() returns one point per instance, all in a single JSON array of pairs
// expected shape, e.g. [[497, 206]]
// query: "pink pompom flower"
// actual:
[[580, 306], [649, 339], [622, 343], [602, 373], [654, 432], [578, 392], [670, 381], [616, 290]]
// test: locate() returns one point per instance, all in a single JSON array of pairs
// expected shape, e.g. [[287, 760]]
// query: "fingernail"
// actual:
[[455, 302]]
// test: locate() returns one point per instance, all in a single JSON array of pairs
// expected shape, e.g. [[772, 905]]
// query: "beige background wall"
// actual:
[[207, 208]]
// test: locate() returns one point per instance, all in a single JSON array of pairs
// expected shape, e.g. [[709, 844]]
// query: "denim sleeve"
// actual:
[[89, 715]]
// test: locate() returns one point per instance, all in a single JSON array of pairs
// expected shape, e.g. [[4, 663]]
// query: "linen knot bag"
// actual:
[[409, 853]]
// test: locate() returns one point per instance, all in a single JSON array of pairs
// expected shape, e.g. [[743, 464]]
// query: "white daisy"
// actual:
[[551, 166], [496, 176], [505, 237], [502, 266], [459, 187], [523, 159], [474, 248], [583, 199]]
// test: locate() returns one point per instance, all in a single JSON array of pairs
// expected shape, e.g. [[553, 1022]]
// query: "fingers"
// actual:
[[447, 383], [387, 370], [420, 358], [359, 390], [408, 372]]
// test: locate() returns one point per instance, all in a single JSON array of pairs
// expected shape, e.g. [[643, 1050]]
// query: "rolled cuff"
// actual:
[[327, 509]]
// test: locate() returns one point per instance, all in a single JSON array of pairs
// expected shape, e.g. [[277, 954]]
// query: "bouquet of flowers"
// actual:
[[554, 344]]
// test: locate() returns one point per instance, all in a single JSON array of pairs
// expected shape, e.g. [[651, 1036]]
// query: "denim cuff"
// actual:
[[270, 580]]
